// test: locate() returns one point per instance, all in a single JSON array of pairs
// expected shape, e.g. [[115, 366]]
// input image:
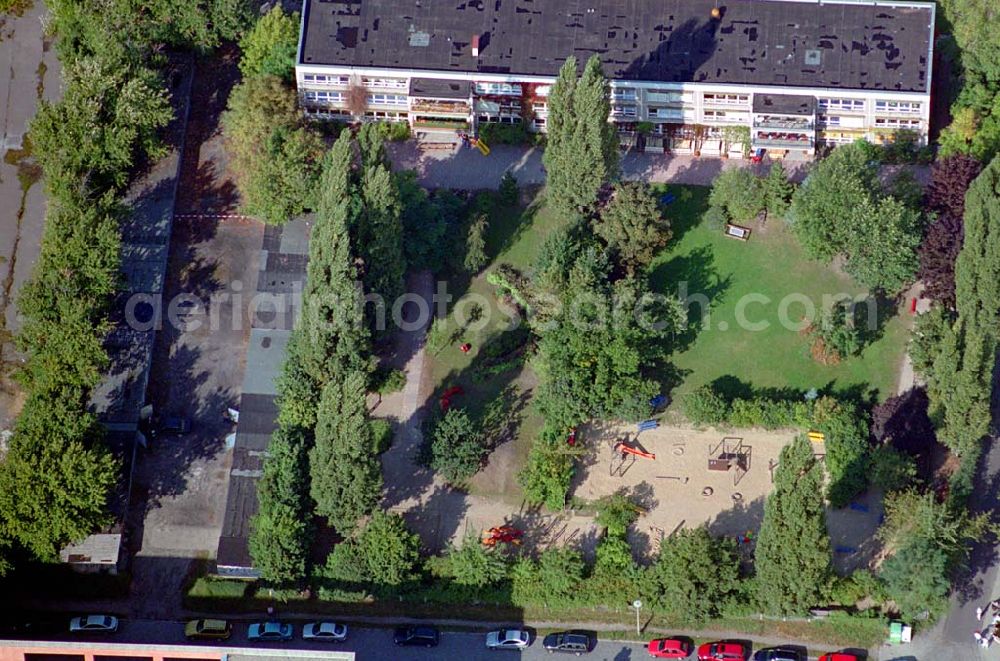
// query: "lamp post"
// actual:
[[637, 605]]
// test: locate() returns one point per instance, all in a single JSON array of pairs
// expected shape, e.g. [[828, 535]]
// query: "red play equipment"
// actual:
[[624, 449], [447, 395], [506, 534], [465, 348], [571, 439]]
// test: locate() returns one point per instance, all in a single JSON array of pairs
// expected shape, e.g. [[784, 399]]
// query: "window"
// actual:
[[668, 97], [896, 123], [540, 106], [623, 95], [539, 122], [844, 105], [392, 83], [661, 113], [907, 107], [543, 90], [320, 79], [726, 99], [506, 89], [829, 120], [499, 119], [623, 111], [323, 96], [386, 115], [387, 99]]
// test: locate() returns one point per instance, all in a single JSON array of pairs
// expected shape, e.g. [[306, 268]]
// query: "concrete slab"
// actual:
[[265, 356]]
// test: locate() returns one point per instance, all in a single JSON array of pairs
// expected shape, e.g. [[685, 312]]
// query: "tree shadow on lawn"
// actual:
[[696, 281], [507, 226]]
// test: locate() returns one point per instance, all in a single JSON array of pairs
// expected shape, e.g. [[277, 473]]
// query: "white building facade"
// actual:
[[709, 117]]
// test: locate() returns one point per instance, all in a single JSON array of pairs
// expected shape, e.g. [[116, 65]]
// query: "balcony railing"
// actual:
[[782, 142], [775, 123], [440, 107]]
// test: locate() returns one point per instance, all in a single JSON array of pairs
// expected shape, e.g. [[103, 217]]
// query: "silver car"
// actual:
[[269, 632], [94, 624], [332, 632], [507, 639]]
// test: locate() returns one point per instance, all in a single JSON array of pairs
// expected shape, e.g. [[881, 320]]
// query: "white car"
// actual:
[[94, 624], [507, 639], [331, 632]]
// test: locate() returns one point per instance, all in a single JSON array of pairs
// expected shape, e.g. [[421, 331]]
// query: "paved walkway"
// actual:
[[448, 165]]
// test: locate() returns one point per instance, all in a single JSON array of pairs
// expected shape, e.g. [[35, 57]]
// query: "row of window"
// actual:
[[844, 105], [895, 122], [322, 79], [727, 99], [499, 119], [898, 106], [379, 99], [327, 79], [323, 96]]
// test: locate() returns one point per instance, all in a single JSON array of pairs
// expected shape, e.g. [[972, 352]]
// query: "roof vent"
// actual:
[[813, 57], [420, 39]]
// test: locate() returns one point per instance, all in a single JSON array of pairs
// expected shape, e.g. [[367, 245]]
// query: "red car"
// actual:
[[839, 656], [670, 648], [722, 651]]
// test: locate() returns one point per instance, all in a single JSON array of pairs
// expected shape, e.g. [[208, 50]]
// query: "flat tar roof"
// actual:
[[757, 42]]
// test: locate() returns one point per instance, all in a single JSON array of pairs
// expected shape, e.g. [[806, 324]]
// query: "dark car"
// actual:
[[779, 654], [569, 642], [174, 425], [416, 636]]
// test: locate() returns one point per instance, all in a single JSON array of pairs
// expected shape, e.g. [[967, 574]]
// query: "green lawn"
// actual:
[[771, 264], [514, 237]]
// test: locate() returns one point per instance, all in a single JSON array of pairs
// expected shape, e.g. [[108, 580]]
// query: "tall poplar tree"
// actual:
[[793, 549], [346, 473], [582, 152]]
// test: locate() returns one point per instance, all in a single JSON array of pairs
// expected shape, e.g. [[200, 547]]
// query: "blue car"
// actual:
[[269, 632]]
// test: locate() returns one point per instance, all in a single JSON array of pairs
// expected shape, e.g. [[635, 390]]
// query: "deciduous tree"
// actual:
[[269, 47], [695, 575]]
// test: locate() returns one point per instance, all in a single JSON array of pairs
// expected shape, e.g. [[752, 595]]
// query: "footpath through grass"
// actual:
[[763, 281]]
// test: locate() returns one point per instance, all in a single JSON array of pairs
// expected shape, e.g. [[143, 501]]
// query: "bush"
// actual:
[[504, 134], [549, 471], [475, 245], [705, 406], [387, 380], [837, 336], [382, 433], [394, 131], [740, 192], [473, 564], [616, 513], [715, 218]]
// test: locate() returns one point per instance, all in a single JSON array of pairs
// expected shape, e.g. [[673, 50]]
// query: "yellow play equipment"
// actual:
[[482, 146], [816, 436]]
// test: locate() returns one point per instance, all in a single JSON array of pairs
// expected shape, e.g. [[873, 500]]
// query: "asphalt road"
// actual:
[[368, 643], [372, 644]]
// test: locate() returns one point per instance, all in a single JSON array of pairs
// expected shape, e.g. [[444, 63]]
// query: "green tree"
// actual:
[[280, 182], [475, 245], [346, 475], [617, 512], [844, 181], [554, 577], [275, 154], [882, 247], [390, 551], [281, 531], [380, 234], [695, 575], [792, 559], [581, 153], [269, 47], [740, 192], [777, 190], [457, 446], [632, 226], [56, 477], [473, 564]]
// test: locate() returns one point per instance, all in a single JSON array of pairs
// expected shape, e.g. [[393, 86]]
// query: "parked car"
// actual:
[[94, 624], [723, 651], [416, 636], [570, 642], [670, 648], [330, 632], [779, 654], [840, 656], [508, 639], [269, 631], [173, 425], [208, 630]]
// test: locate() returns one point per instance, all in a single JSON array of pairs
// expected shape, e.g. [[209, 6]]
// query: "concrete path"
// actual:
[[29, 71]]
